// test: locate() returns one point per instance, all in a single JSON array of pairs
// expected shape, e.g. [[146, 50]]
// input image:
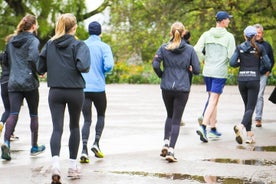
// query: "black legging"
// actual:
[[175, 103], [16, 99], [58, 99], [249, 92], [6, 101], [99, 100]]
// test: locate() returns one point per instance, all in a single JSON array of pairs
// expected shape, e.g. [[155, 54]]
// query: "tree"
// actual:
[[47, 12], [141, 26]]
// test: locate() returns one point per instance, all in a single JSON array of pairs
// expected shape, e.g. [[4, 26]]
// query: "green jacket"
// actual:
[[218, 45]]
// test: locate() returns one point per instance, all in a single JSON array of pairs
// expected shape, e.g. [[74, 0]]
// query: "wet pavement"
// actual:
[[132, 141]]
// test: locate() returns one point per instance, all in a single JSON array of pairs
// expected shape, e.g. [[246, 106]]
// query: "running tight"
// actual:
[[175, 102], [16, 100], [249, 92], [99, 100], [58, 99]]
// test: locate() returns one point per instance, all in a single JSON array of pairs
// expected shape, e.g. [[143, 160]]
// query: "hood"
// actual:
[[181, 47], [64, 41], [217, 32], [20, 39], [245, 46]]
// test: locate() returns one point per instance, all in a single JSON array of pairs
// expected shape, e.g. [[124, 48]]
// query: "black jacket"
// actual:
[[5, 68], [245, 57], [23, 54], [269, 52], [176, 63], [64, 59]]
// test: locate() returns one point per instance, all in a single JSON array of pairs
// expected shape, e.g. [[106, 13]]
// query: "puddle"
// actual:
[[187, 177], [255, 162], [258, 148]]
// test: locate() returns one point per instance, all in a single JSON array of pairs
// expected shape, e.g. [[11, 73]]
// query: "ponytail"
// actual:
[[177, 30]]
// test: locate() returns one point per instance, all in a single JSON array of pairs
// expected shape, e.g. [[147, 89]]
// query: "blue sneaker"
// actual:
[[202, 133], [36, 150], [5, 152], [214, 134]]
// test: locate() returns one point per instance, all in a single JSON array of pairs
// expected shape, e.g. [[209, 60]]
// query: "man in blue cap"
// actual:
[[219, 45], [101, 63]]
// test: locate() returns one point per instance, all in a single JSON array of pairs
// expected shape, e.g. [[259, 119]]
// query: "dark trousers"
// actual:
[[16, 99], [175, 103], [6, 101], [58, 99], [99, 101], [249, 92]]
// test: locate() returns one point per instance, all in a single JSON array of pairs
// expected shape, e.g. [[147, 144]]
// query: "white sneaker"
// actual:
[[74, 173], [56, 175]]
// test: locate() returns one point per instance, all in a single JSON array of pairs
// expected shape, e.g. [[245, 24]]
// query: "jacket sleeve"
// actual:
[[82, 57], [156, 62], [234, 60], [199, 47], [108, 59], [265, 61], [195, 63], [41, 65], [33, 55]]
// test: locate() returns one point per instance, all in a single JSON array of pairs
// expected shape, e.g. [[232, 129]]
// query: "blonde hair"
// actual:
[[64, 25], [25, 24], [177, 30]]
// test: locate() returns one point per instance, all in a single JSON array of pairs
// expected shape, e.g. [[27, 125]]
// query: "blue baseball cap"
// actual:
[[250, 31], [221, 15]]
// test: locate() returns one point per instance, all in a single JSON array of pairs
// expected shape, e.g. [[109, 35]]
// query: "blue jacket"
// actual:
[[102, 62], [175, 73]]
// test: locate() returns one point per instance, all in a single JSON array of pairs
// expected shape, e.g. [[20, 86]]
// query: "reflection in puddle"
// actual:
[[245, 162], [258, 148], [187, 177]]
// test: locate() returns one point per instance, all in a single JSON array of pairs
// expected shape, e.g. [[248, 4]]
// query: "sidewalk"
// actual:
[[132, 141]]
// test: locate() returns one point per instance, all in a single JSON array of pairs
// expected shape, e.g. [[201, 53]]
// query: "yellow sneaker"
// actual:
[[1, 127], [97, 151]]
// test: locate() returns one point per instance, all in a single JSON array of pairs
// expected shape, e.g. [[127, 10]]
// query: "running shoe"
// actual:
[[250, 140], [84, 158], [74, 173], [56, 176], [237, 131], [200, 120], [170, 157], [36, 150], [5, 152], [202, 134], [14, 138], [214, 134], [97, 151], [1, 127], [164, 150]]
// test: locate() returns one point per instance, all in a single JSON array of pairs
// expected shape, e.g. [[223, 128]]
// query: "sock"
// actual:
[[55, 162], [203, 126], [166, 141], [73, 163], [214, 129], [171, 150]]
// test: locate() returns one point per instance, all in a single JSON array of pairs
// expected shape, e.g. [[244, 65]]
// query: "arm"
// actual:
[[156, 63], [108, 59], [199, 47], [195, 63], [82, 57], [265, 61], [41, 65], [234, 60]]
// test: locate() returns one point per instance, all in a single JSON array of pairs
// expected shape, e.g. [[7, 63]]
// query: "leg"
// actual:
[[100, 102], [260, 101]]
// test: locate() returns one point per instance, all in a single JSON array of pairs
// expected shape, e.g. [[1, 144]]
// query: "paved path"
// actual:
[[132, 140]]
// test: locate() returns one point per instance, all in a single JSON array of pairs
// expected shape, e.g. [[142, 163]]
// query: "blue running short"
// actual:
[[214, 85]]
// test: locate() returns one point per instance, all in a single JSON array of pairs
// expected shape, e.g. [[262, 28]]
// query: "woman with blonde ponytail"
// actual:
[[64, 59], [178, 59]]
